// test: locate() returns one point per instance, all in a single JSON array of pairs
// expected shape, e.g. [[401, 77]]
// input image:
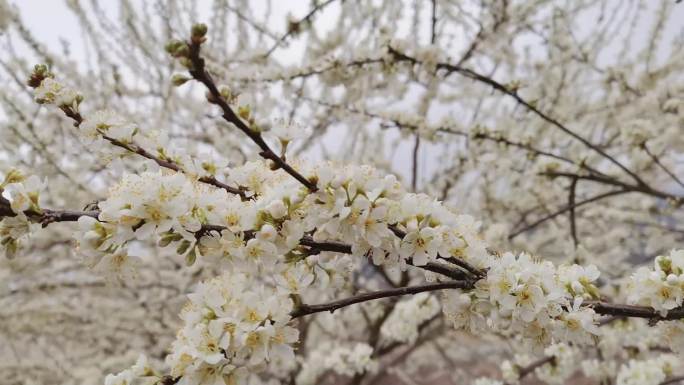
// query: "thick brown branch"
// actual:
[[49, 216], [621, 310], [46, 216], [334, 305]]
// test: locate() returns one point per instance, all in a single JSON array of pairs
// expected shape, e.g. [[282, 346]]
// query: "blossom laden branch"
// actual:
[[48, 91], [605, 308], [190, 51], [644, 189], [285, 240]]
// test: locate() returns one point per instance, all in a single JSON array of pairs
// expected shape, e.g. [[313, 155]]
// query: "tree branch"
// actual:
[[617, 310], [305, 309], [644, 189], [450, 68], [169, 164], [199, 73], [571, 204]]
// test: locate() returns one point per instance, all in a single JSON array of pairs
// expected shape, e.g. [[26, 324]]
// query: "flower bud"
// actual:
[[178, 79], [92, 238], [40, 72], [672, 280], [176, 48], [169, 47], [244, 112], [268, 233], [264, 124], [277, 209], [198, 33], [185, 62], [13, 176], [226, 92]]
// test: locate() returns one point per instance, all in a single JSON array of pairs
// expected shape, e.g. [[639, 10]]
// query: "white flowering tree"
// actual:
[[194, 205]]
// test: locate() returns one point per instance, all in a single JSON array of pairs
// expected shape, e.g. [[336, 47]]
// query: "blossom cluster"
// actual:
[[98, 128], [19, 195], [49, 91], [141, 373], [232, 327], [529, 297], [356, 205], [345, 359], [662, 287], [262, 238], [559, 364], [402, 325], [647, 372]]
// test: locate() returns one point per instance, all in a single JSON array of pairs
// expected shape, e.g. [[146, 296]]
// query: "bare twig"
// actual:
[[295, 27], [657, 161]]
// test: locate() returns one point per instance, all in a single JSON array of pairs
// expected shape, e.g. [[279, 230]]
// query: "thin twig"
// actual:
[[571, 204], [169, 164], [661, 165], [564, 209], [294, 27]]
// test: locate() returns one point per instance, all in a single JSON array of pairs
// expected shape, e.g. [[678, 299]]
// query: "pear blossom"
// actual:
[[109, 123], [25, 195], [421, 244]]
